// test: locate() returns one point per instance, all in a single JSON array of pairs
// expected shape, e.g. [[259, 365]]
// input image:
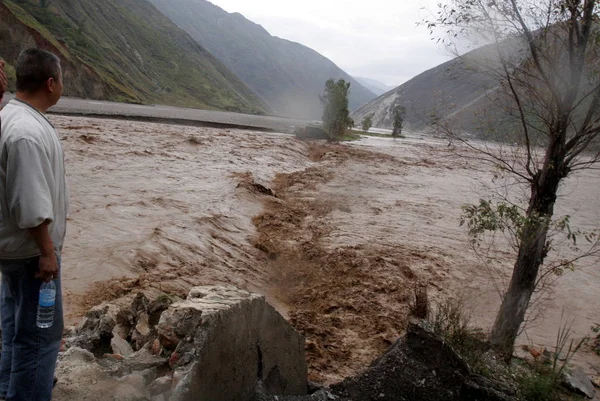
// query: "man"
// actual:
[[33, 206]]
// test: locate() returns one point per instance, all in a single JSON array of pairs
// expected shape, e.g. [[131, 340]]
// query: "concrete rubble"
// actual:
[[220, 343], [225, 344]]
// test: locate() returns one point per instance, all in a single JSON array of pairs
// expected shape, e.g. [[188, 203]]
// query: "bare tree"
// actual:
[[546, 61]]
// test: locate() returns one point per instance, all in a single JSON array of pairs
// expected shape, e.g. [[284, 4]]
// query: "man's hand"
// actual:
[[3, 79], [48, 269], [48, 265]]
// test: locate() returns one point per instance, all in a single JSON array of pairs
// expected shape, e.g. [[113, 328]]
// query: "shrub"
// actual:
[[534, 386]]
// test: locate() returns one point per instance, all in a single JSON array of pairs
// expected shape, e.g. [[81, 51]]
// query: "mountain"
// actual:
[[123, 50], [378, 88], [287, 75], [470, 95], [453, 91]]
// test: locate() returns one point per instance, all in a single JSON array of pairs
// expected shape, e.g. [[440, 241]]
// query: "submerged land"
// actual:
[[336, 236]]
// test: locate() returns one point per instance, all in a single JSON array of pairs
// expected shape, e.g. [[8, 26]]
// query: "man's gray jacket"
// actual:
[[33, 186]]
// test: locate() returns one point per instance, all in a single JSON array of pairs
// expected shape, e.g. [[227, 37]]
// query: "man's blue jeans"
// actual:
[[28, 353]]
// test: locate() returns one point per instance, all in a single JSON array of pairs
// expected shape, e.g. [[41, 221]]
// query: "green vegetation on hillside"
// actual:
[[138, 53], [10, 73], [287, 75]]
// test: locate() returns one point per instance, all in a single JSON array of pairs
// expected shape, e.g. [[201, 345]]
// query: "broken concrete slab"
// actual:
[[235, 343], [219, 344]]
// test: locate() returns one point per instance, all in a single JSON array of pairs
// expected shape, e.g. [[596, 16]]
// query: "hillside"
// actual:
[[287, 75], [124, 51], [464, 94], [455, 90]]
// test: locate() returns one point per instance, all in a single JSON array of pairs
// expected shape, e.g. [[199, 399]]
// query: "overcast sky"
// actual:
[[377, 39]]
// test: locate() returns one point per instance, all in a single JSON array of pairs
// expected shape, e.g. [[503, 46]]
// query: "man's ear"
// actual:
[[50, 84]]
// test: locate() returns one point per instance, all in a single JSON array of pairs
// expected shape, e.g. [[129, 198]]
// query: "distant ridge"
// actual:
[[287, 75], [378, 88], [450, 91]]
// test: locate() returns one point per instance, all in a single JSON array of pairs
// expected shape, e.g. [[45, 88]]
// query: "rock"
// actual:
[[120, 346], [578, 382], [135, 380], [230, 340], [116, 357], [157, 307], [143, 359], [174, 359], [101, 319], [595, 381], [177, 323], [142, 325], [142, 332], [126, 319], [96, 330], [156, 347], [126, 392], [160, 385], [70, 331], [82, 377], [77, 354], [148, 374], [139, 304], [177, 376], [121, 330], [426, 367]]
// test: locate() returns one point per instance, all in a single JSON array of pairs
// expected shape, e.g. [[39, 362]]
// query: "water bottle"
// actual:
[[45, 312]]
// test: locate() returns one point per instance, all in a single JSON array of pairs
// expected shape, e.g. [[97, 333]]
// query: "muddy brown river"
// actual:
[[351, 228]]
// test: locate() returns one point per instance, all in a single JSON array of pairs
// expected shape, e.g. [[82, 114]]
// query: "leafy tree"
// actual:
[[546, 62], [367, 122], [336, 116], [399, 115]]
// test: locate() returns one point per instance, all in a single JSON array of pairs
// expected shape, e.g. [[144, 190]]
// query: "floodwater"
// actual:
[[337, 250]]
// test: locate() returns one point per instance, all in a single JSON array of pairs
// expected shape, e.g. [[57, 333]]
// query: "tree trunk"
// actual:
[[532, 251], [522, 284]]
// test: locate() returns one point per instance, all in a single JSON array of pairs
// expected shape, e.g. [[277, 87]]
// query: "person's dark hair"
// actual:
[[34, 67]]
